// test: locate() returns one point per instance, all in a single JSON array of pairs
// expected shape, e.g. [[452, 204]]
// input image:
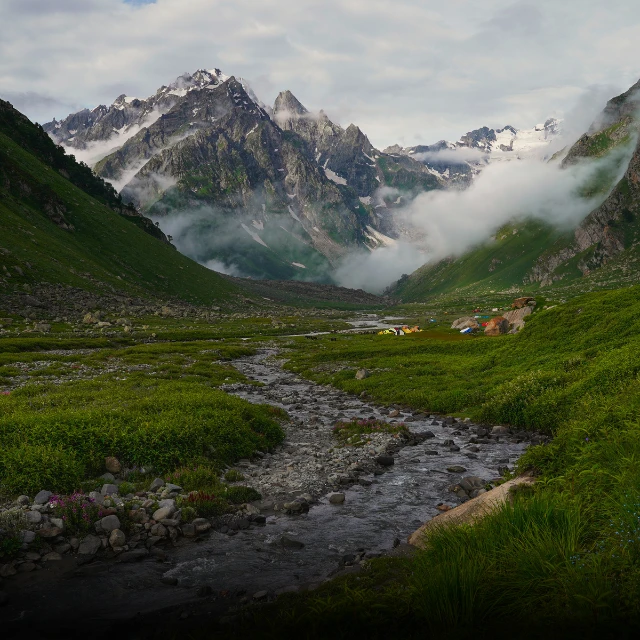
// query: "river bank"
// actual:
[[304, 535]]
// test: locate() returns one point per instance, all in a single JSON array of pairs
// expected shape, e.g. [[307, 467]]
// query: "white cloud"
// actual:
[[455, 221], [407, 72]]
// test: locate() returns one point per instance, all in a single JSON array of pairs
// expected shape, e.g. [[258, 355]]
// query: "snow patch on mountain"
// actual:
[[333, 176], [255, 236]]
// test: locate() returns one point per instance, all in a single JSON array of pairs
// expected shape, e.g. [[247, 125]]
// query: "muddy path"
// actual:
[[283, 550]]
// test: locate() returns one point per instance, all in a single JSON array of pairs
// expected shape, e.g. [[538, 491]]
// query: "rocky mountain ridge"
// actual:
[[603, 250], [456, 163], [291, 192]]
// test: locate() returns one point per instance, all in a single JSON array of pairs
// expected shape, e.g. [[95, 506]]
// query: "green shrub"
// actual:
[[197, 478], [58, 435], [233, 475], [31, 467], [240, 495], [188, 514], [348, 432], [125, 488], [206, 505]]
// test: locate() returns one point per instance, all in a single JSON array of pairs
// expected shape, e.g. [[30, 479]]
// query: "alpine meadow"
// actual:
[[337, 338]]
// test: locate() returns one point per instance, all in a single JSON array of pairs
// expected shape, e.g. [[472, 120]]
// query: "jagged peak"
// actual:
[[287, 102]]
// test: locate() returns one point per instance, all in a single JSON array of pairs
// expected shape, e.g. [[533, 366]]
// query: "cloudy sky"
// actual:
[[407, 71]]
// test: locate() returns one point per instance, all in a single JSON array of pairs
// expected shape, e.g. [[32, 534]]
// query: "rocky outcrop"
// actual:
[[465, 322], [602, 235], [516, 317], [471, 511], [496, 326]]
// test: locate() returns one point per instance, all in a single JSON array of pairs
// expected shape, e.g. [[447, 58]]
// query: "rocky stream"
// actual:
[[325, 509]]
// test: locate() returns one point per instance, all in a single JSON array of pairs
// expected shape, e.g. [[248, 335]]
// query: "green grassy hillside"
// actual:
[[565, 556], [54, 232], [497, 265]]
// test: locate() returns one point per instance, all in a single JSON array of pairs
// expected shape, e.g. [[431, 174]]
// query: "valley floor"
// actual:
[[225, 409]]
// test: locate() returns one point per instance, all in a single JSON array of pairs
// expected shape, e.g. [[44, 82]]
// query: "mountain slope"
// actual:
[[55, 233], [570, 260], [456, 163], [266, 193], [248, 198]]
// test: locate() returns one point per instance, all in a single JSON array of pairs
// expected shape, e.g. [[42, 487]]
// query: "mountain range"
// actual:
[[528, 254], [282, 192], [275, 192]]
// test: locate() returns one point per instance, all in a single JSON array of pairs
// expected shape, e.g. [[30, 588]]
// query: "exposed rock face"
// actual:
[[291, 194], [516, 318], [464, 322], [518, 303], [346, 155], [497, 326]]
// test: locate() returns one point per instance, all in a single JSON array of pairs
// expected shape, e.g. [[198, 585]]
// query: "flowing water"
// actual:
[[372, 517]]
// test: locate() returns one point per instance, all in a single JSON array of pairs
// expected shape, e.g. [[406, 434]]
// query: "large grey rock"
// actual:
[[464, 322], [156, 484], [97, 497], [361, 374], [336, 498], [33, 517], [163, 513], [109, 489], [117, 538], [110, 523], [89, 546], [385, 460], [172, 487], [27, 536], [42, 497], [23, 501], [471, 482], [57, 522]]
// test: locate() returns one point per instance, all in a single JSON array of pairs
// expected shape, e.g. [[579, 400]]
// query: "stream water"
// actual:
[[377, 511]]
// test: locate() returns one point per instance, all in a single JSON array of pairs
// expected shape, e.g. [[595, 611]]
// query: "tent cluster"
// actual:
[[400, 331]]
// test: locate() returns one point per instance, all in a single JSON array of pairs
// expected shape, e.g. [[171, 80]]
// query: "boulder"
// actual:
[[500, 430], [163, 513], [50, 532], [497, 326], [516, 318], [156, 484], [108, 489], [89, 546], [470, 511], [110, 523], [361, 374], [336, 498], [42, 497], [464, 322], [385, 460], [112, 465], [33, 517], [519, 303], [117, 538]]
